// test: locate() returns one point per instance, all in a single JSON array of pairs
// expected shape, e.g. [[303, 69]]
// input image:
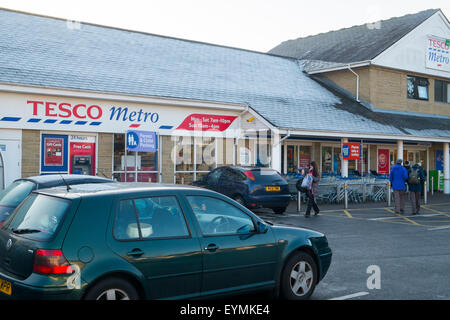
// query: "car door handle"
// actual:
[[135, 253], [212, 247]]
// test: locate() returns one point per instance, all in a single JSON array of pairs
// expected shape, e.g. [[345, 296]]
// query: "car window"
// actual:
[[149, 218], [214, 176], [218, 217], [161, 217], [15, 193], [38, 217], [233, 175], [125, 225]]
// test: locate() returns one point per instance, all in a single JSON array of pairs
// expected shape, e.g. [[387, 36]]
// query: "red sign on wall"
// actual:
[[206, 122], [351, 151], [54, 151], [383, 161]]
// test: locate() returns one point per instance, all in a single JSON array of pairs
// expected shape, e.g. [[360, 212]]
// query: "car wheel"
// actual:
[[112, 289], [279, 210], [299, 277], [239, 200]]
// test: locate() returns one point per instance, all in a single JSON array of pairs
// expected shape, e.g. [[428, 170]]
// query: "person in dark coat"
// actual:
[[416, 175], [314, 192]]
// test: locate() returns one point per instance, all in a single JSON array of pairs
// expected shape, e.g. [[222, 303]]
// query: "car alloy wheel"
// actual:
[[301, 279], [113, 294]]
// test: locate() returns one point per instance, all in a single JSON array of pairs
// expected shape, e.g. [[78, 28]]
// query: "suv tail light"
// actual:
[[51, 262], [249, 175]]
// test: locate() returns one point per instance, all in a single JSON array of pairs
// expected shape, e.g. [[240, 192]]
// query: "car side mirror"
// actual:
[[261, 227]]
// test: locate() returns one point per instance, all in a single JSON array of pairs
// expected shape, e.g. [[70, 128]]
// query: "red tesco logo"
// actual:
[[66, 110]]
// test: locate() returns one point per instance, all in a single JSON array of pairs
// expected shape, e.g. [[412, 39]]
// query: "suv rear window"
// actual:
[[266, 175], [39, 217]]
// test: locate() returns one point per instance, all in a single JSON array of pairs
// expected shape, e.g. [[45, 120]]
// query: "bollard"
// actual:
[[389, 194], [182, 180], [432, 186], [425, 193], [346, 194], [299, 201]]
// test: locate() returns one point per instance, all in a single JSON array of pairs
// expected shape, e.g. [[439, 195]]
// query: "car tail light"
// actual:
[[51, 262], [249, 175]]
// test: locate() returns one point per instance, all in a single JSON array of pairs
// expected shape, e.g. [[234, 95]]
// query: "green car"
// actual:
[[124, 241]]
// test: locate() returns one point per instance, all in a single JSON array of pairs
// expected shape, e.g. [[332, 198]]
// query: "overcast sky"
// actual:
[[250, 24]]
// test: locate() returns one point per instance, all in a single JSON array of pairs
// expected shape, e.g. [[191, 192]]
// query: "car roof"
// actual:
[[54, 180], [115, 188]]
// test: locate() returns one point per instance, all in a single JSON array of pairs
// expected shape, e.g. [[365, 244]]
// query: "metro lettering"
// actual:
[[122, 114]]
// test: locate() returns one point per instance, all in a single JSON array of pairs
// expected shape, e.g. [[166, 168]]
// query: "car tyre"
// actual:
[[112, 289], [299, 277], [280, 210]]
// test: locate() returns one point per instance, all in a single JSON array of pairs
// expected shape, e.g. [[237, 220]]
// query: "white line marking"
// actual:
[[351, 296], [439, 228], [416, 216]]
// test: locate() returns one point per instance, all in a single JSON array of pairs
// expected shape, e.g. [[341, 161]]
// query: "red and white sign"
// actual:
[[83, 146], [351, 151], [383, 161], [54, 151], [438, 54], [206, 122]]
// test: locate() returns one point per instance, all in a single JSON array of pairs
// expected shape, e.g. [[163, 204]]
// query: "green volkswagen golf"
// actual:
[[138, 241]]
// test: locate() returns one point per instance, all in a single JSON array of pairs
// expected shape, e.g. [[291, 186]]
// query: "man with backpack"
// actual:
[[415, 176]]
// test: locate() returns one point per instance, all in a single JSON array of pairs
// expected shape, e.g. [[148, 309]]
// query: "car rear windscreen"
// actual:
[[39, 217], [266, 175]]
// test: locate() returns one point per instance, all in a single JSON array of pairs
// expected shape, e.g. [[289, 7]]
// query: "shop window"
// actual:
[[442, 91], [417, 88], [194, 158], [327, 159], [133, 166]]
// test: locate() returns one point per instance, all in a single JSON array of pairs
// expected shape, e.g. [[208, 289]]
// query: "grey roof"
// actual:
[[42, 51], [355, 44]]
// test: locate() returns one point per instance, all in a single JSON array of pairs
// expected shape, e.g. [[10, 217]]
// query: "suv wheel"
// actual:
[[112, 289], [299, 277]]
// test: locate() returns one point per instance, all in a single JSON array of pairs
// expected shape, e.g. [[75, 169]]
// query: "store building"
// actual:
[[399, 69], [82, 98]]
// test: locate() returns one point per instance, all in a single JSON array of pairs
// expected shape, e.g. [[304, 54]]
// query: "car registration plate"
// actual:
[[273, 188], [5, 287]]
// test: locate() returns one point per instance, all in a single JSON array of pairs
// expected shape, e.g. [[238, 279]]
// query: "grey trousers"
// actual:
[[399, 200], [415, 201]]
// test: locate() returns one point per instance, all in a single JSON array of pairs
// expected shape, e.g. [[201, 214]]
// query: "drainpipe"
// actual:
[[357, 82]]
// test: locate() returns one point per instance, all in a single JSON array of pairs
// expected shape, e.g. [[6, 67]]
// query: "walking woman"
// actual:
[[314, 192]]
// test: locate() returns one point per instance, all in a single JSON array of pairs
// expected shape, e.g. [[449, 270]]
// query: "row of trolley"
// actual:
[[333, 189]]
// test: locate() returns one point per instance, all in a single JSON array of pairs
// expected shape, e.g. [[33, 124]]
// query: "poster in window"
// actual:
[[383, 161], [54, 152]]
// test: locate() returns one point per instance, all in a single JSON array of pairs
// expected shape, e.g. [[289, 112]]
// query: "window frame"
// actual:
[[116, 212], [444, 92], [415, 95], [255, 231]]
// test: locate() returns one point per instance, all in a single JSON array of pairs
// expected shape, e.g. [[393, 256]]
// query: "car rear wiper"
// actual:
[[23, 231]]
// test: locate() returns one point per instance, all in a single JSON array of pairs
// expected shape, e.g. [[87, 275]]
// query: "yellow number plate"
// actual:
[[273, 188], [5, 287]]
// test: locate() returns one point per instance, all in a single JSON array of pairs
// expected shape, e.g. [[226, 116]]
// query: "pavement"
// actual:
[[378, 254]]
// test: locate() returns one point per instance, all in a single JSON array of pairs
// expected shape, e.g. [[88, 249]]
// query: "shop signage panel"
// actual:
[[82, 154], [141, 141], [383, 161], [206, 122], [54, 153], [36, 112], [351, 151], [438, 54]]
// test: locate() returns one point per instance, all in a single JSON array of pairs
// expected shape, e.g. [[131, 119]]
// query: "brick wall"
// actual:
[[386, 89], [167, 166], [105, 151], [30, 153]]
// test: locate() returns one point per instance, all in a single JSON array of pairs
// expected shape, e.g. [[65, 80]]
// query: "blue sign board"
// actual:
[[141, 141]]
